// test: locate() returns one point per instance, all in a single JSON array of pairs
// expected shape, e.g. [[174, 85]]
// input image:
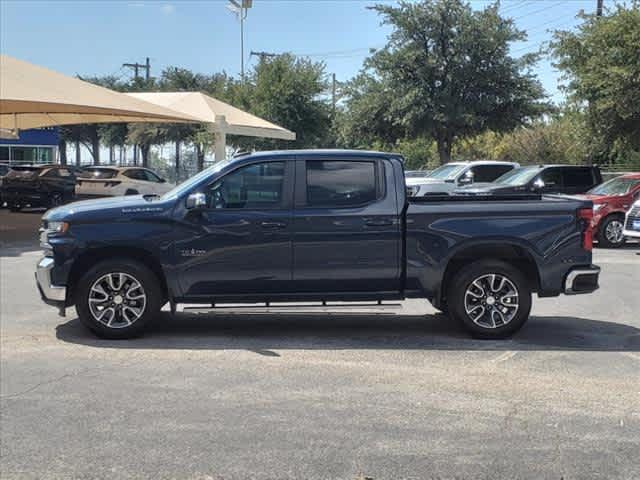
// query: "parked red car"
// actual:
[[611, 200]]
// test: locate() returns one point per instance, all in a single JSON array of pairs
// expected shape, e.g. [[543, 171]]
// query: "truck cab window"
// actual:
[[340, 184], [255, 186]]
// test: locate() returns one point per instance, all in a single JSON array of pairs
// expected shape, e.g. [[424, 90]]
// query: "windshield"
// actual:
[[518, 176], [450, 170], [190, 182], [97, 173], [615, 186]]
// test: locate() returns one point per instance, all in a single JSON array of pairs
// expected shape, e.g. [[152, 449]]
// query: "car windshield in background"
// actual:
[[24, 171], [415, 174], [97, 173], [615, 186], [518, 176], [447, 171]]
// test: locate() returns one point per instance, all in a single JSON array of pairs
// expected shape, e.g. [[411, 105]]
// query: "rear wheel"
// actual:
[[491, 298], [610, 232], [118, 298]]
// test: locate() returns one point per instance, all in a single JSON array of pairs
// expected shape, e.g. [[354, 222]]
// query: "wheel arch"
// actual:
[[93, 256], [510, 253]]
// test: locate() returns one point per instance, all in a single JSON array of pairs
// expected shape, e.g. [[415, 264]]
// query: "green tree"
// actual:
[[601, 61], [290, 92], [449, 71]]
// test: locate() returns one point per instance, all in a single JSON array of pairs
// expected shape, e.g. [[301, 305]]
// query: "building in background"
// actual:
[[33, 146]]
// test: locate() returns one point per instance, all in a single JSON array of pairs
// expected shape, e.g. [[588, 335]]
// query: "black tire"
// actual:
[[462, 282], [606, 239], [151, 288], [55, 199]]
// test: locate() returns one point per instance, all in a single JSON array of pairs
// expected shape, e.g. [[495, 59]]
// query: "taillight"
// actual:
[[585, 215]]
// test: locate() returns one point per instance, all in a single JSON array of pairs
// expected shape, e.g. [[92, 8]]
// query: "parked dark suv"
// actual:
[[38, 186], [567, 179]]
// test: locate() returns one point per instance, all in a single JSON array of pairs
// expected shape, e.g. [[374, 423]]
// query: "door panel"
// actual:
[[345, 248], [242, 242]]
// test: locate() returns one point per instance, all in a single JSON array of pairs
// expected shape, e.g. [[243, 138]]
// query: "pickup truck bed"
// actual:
[[313, 225]]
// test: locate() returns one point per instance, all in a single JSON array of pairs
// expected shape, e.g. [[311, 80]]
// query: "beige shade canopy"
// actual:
[[209, 110], [33, 96]]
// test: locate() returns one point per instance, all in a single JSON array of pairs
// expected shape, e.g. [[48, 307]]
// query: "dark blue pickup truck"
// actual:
[[318, 225]]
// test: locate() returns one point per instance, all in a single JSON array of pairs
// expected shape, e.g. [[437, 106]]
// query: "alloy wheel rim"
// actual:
[[613, 231], [491, 301], [117, 300]]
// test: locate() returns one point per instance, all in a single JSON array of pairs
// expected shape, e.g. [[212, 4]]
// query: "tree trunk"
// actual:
[[62, 148], [95, 145], [135, 155], [112, 155], [445, 142], [78, 157], [177, 161], [121, 160], [200, 156], [144, 153]]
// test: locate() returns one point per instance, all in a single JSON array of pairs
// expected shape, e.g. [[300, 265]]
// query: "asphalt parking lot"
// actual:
[[402, 393]]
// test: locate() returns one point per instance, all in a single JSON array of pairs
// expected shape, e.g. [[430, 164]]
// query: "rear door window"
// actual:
[[488, 173], [577, 177], [332, 183]]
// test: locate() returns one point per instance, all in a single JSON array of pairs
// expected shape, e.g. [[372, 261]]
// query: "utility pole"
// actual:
[[263, 55], [240, 7], [136, 66], [599, 8]]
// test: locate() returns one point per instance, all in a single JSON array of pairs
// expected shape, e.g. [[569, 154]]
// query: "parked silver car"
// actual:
[[450, 176]]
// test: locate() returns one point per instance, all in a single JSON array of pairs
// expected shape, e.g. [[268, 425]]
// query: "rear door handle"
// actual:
[[273, 225], [381, 222]]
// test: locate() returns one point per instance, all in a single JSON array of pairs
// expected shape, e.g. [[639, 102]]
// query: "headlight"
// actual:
[[598, 206], [57, 227]]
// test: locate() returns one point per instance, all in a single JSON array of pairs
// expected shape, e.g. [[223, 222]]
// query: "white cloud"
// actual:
[[167, 8]]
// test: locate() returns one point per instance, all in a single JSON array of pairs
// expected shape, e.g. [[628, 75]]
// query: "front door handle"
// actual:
[[380, 222], [273, 225]]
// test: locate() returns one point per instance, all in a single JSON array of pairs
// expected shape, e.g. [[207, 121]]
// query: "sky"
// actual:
[[96, 37]]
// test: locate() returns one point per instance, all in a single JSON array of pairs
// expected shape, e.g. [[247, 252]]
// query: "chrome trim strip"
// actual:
[[573, 274], [43, 277]]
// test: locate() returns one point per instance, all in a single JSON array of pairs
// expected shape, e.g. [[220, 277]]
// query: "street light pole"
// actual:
[[240, 7]]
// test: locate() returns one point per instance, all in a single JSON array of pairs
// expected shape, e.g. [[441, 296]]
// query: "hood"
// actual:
[[596, 199], [411, 182], [479, 188], [110, 208]]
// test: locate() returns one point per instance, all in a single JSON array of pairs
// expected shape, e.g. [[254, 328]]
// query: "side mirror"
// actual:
[[162, 180], [466, 179], [538, 184], [196, 200]]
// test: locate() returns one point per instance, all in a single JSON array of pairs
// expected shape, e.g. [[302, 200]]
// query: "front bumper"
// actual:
[[51, 294], [582, 280]]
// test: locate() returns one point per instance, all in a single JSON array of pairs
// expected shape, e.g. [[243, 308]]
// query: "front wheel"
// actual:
[[610, 232], [55, 199], [117, 299], [491, 298]]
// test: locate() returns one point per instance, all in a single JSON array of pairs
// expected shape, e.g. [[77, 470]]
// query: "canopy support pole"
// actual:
[[220, 130]]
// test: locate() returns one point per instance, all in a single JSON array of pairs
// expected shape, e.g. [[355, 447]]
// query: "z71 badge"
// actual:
[[192, 252]]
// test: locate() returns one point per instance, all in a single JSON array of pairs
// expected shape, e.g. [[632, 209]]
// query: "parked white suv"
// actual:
[[116, 181], [450, 176]]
